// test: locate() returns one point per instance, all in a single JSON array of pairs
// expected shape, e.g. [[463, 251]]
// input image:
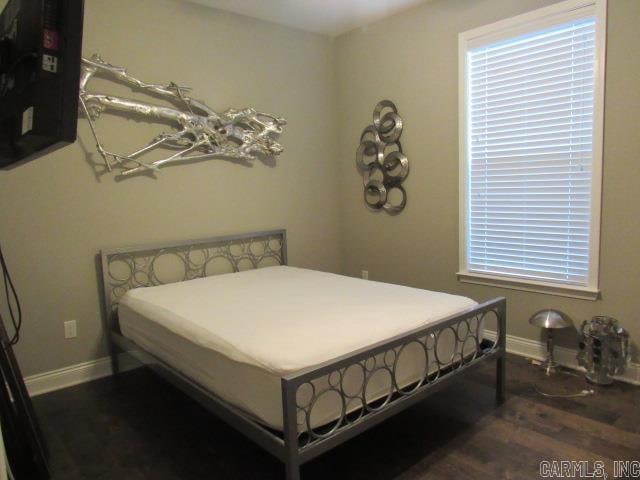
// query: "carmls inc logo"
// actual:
[[571, 469]]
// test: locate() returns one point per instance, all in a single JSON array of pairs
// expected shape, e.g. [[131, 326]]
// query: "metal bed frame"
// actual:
[[300, 440]]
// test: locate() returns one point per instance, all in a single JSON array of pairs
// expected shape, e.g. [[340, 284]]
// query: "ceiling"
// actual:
[[328, 17]]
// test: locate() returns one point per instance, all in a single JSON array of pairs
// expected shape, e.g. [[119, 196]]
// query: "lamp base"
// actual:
[[555, 381], [549, 367]]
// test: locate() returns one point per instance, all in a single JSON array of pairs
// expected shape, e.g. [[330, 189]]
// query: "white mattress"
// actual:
[[238, 334]]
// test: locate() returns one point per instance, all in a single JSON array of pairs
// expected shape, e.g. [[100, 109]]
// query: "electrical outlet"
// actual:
[[70, 329], [365, 274]]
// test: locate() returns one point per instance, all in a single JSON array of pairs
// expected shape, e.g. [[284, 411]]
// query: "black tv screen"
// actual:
[[40, 54]]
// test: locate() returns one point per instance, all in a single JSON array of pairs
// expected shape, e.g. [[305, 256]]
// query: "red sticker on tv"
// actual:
[[51, 40]]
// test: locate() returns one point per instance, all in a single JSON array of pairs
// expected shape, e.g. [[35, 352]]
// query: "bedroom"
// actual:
[[61, 209]]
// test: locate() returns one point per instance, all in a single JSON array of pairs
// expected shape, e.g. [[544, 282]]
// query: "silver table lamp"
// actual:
[[550, 320]]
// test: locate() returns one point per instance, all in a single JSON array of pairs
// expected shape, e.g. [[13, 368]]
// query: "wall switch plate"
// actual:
[[70, 329], [365, 274]]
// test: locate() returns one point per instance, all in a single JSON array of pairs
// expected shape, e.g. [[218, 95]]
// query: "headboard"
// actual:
[[127, 268]]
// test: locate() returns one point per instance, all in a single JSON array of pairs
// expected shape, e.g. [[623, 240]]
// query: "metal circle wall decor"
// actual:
[[375, 155]]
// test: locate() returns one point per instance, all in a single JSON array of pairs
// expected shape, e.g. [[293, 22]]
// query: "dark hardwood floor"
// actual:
[[137, 426]]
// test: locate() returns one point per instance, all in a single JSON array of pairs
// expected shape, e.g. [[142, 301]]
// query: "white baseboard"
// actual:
[[87, 371], [74, 375], [564, 356]]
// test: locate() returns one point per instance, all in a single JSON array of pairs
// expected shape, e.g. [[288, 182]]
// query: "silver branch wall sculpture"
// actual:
[[380, 159], [200, 132]]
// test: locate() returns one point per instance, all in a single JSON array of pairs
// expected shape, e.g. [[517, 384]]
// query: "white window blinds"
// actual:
[[530, 119]]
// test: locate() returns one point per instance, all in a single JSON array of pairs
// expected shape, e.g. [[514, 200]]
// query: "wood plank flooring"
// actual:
[[137, 426]]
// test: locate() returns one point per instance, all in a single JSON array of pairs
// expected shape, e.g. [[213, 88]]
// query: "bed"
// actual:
[[297, 360]]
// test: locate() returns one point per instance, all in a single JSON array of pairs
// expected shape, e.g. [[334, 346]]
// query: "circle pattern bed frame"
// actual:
[[301, 439]]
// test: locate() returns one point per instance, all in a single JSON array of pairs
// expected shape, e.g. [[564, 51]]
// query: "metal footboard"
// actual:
[[300, 392]]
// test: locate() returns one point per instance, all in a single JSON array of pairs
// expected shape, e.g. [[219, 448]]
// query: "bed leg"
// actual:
[[501, 379], [290, 430], [501, 363], [114, 357], [115, 364], [293, 470]]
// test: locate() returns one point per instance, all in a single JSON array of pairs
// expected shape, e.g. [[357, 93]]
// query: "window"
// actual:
[[531, 95]]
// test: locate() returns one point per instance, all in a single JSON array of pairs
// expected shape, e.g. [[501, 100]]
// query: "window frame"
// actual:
[[529, 22]]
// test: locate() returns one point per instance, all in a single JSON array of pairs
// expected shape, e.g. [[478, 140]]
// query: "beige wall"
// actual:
[[412, 59], [56, 213]]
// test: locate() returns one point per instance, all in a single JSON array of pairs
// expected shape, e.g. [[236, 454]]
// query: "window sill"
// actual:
[[583, 293]]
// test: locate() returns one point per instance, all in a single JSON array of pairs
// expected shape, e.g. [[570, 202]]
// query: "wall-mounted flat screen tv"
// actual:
[[40, 54]]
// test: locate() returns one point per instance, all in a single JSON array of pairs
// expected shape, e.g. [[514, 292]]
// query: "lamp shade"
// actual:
[[550, 319]]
